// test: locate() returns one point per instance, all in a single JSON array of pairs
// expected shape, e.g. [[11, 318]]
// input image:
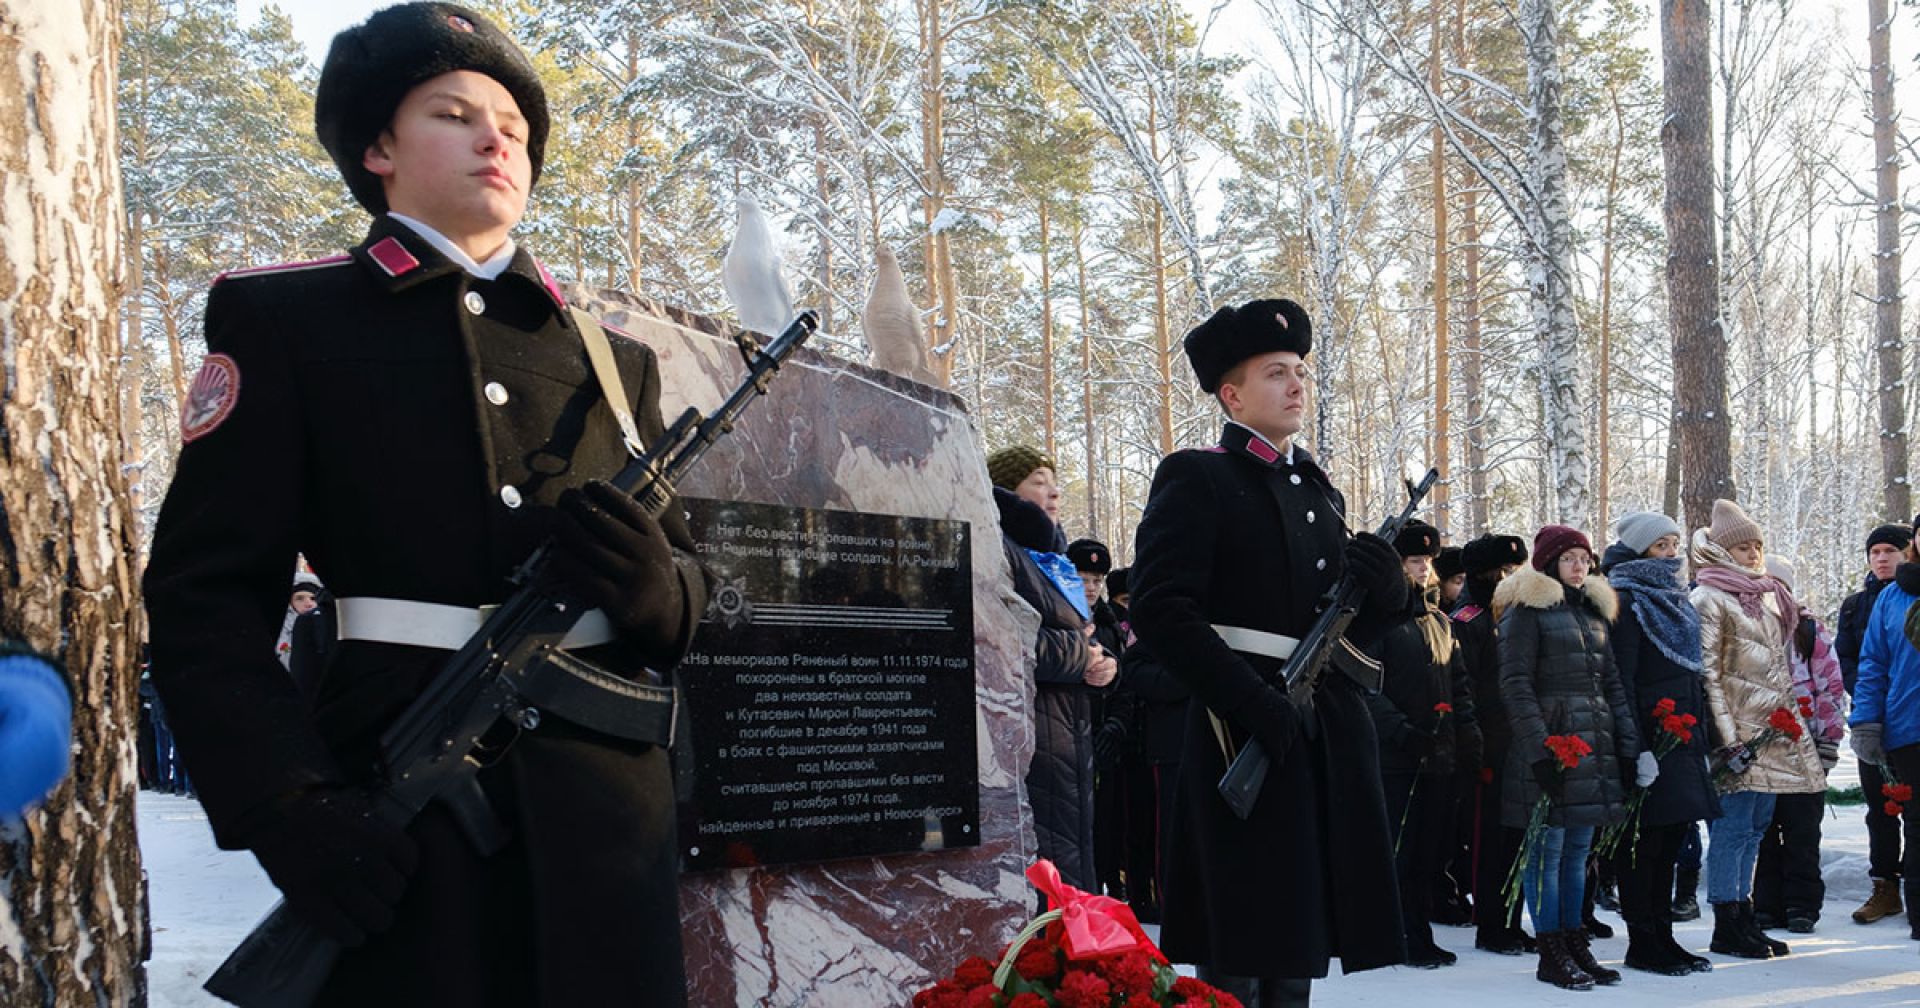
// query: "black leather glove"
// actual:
[[1736, 758], [617, 558], [1275, 722], [1470, 747], [1107, 740], [1417, 742], [340, 867], [1375, 566], [1546, 773]]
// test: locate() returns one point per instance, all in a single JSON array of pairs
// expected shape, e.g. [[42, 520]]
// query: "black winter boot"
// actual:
[[1283, 992], [1778, 948], [1697, 963], [1649, 952], [1556, 963], [1730, 935], [1581, 948], [1686, 889]]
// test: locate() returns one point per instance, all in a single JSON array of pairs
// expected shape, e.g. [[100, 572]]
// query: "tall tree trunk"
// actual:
[[1701, 427], [1603, 365], [943, 322], [1046, 332], [1472, 364], [1889, 348], [1549, 272], [1086, 380], [1442, 360], [72, 916], [1157, 260], [631, 191]]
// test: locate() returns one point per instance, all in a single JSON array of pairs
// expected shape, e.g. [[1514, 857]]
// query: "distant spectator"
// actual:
[[1886, 547], [1886, 707]]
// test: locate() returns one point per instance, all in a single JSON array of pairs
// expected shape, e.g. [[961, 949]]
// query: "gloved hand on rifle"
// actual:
[[618, 557], [341, 867], [1375, 566]]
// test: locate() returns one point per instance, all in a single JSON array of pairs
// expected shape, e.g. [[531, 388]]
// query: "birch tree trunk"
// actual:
[[1703, 433], [1549, 277], [1046, 335], [72, 917], [1889, 349]]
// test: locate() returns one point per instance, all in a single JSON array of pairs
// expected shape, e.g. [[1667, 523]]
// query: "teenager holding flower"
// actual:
[[1656, 642], [1746, 620], [1886, 706], [1424, 715], [1558, 680], [1886, 548]]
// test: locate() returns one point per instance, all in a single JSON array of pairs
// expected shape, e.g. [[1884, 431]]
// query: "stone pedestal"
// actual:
[[840, 435]]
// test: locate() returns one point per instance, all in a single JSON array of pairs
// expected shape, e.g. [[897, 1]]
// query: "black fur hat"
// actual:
[[1090, 555], [1491, 552], [1235, 334], [1450, 562], [371, 67], [1417, 538]]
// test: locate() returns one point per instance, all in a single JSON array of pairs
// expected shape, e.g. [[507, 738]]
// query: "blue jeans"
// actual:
[[1733, 845], [1555, 877]]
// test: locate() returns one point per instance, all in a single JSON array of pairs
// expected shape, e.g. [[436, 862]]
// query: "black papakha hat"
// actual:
[[1090, 555], [371, 67], [1235, 334], [1491, 552], [1450, 562], [1417, 538]]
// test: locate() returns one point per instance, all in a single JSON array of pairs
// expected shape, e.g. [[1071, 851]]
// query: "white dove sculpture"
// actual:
[[753, 275], [891, 323]]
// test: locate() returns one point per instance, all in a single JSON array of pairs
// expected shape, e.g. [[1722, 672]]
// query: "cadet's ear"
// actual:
[[377, 159]]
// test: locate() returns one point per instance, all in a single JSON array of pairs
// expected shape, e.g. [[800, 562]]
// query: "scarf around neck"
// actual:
[[1749, 587], [1661, 605]]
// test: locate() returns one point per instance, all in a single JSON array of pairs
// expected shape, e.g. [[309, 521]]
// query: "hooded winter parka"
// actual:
[[1557, 677]]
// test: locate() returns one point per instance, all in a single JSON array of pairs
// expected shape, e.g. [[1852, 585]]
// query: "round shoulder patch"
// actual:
[[215, 389]]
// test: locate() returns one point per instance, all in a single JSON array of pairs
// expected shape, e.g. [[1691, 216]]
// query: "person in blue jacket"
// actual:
[[1885, 724], [36, 727]]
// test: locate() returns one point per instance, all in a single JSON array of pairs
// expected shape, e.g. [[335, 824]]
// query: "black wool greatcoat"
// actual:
[[1231, 539], [409, 427]]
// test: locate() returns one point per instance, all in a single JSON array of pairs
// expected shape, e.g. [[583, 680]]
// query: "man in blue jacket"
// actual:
[[1886, 704]]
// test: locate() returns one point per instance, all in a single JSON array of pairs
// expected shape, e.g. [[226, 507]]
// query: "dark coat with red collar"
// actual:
[[409, 427], [1240, 537]]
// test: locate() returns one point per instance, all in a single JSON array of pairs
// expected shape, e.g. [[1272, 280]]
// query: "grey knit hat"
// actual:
[[1731, 526], [1639, 530]]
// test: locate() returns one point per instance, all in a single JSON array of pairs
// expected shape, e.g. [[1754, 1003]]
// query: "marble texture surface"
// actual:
[[836, 434]]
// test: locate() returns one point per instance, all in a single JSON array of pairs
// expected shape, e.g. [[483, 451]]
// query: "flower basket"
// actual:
[[1086, 951]]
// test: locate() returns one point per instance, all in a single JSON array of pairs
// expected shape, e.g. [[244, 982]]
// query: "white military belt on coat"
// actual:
[[1247, 640]]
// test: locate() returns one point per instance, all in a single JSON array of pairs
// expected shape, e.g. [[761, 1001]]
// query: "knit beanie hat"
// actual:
[[1491, 552], [1781, 569], [1554, 540], [1450, 563], [1089, 555], [1639, 530], [371, 67], [1731, 526], [1417, 538], [1892, 534], [1009, 466]]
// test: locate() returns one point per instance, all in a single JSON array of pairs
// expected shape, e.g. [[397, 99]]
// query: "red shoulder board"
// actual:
[[1466, 613]]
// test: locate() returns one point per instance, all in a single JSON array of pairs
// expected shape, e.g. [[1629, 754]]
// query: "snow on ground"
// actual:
[[204, 900]]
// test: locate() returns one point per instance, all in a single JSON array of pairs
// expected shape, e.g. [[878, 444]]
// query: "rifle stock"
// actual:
[[283, 961], [1240, 786]]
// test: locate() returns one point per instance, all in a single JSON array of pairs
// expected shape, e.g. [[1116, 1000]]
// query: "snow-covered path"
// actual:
[[204, 900]]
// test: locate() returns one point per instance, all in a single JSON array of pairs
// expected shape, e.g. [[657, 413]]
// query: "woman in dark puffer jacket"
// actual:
[[1656, 642], [1066, 662], [1557, 677]]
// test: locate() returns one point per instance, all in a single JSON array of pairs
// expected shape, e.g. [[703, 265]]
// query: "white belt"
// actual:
[[1257, 642], [447, 627]]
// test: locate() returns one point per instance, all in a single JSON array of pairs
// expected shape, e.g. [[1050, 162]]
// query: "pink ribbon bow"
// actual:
[[1092, 925]]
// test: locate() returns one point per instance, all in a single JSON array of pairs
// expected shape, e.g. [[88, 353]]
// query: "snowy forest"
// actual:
[[1473, 199]]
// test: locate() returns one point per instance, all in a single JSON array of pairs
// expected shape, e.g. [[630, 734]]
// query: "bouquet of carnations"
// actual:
[[1675, 730], [1086, 951], [1729, 763], [1568, 751]]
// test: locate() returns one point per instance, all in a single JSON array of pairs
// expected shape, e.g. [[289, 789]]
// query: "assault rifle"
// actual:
[[1326, 644], [510, 670]]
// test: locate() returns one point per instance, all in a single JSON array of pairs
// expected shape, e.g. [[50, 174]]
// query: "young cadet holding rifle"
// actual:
[[1237, 546]]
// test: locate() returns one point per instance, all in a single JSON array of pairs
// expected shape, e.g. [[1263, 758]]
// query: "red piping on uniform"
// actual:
[[332, 260]]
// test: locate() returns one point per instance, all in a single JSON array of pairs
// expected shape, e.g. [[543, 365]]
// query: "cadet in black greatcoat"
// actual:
[[415, 417], [1236, 546]]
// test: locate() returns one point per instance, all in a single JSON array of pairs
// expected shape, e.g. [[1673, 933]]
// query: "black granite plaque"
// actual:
[[830, 687]]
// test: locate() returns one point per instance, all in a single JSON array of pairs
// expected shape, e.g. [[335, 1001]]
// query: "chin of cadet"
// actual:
[[36, 729]]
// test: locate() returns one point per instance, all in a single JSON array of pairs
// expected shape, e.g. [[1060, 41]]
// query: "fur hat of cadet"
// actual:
[[1090, 556], [1117, 581], [1417, 538], [371, 67], [1553, 540], [1891, 534], [1639, 530], [1008, 467], [1450, 563], [1731, 526], [1492, 552], [1235, 334]]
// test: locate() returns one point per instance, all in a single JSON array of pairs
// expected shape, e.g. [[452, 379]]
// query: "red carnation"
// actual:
[[1892, 808], [1081, 989], [1898, 792], [1187, 987], [974, 972], [1443, 707], [1131, 974], [1142, 1001], [945, 994], [1038, 961], [1783, 721], [1679, 726], [1568, 749], [984, 996], [1027, 1000], [1664, 708]]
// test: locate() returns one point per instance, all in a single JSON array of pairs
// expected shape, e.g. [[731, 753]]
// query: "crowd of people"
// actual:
[[1552, 726]]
